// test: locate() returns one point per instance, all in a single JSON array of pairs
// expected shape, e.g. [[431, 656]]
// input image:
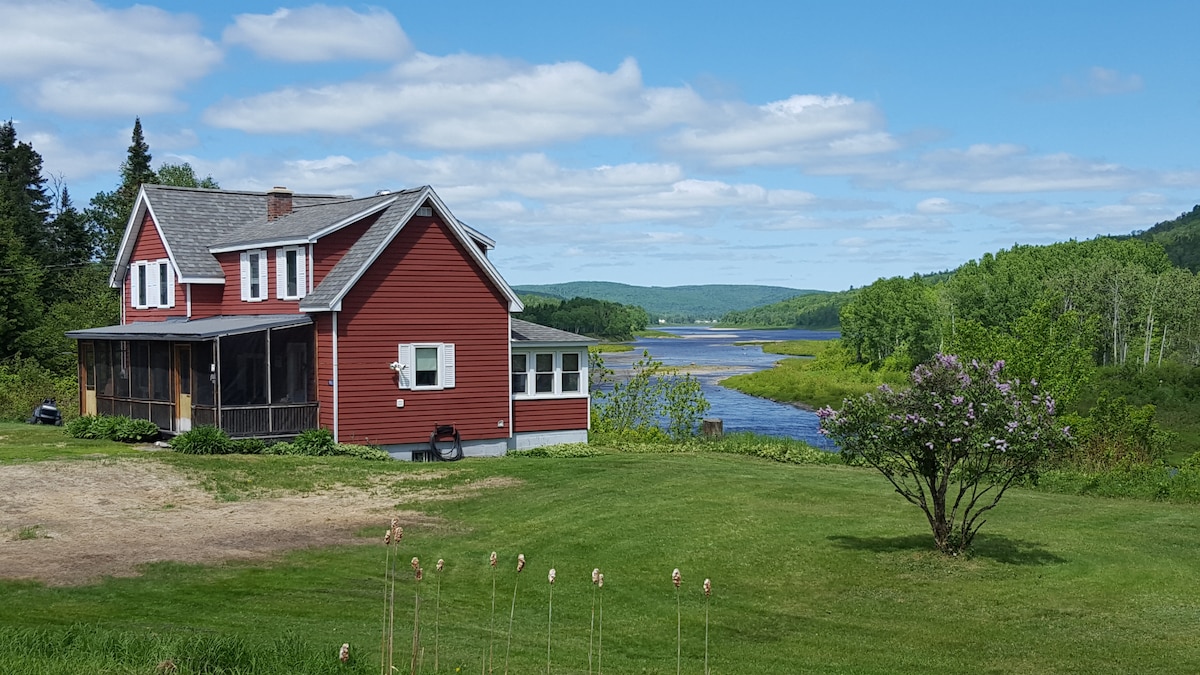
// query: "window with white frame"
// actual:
[[425, 365], [254, 276], [152, 284], [552, 373], [291, 273], [520, 376]]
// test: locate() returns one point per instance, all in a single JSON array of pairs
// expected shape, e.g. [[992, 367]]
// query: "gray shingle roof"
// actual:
[[301, 223], [526, 332], [198, 329], [193, 219]]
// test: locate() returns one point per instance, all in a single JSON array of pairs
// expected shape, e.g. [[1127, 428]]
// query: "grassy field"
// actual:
[[815, 568]]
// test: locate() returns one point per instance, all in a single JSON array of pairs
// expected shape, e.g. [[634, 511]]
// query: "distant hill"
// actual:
[[707, 302], [1180, 237], [813, 311]]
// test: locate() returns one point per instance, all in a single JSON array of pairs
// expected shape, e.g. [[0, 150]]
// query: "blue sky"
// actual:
[[803, 144]]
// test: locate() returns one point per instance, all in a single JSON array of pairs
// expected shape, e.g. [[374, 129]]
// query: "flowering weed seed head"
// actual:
[[520, 562], [676, 577], [551, 576]]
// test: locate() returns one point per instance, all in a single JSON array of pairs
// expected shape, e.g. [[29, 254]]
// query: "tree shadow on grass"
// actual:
[[996, 547]]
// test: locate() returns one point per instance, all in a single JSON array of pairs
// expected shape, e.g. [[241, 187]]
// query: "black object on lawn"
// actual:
[[46, 413]]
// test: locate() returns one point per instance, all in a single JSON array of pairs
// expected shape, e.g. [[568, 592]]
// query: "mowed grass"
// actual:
[[819, 569], [35, 442]]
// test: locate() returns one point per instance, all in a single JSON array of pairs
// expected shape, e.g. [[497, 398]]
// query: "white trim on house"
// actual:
[[406, 366], [264, 290], [150, 274], [133, 228], [281, 272], [556, 372]]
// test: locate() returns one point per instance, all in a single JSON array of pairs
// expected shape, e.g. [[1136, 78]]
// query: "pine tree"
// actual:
[[108, 212], [24, 190]]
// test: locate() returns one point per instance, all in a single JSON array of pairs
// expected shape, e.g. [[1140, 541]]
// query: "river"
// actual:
[[712, 352]]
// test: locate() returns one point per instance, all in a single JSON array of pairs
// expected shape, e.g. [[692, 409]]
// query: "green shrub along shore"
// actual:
[[806, 558]]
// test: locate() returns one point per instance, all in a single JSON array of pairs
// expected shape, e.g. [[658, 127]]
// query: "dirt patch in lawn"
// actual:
[[106, 518]]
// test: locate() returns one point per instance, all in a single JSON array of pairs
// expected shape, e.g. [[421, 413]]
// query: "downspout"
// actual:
[[511, 412], [335, 378], [188, 293]]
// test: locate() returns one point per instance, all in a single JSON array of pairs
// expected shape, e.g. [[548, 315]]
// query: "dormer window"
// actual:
[[152, 284], [254, 276], [291, 273]]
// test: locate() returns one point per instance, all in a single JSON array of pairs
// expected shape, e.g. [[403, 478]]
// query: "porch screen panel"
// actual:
[[139, 370], [120, 367], [104, 369], [292, 377], [244, 369], [160, 371], [203, 376]]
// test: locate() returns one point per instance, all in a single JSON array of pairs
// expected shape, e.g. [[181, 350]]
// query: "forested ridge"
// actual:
[[673, 304]]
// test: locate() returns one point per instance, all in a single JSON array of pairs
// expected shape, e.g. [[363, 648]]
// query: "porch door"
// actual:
[[88, 352], [183, 388]]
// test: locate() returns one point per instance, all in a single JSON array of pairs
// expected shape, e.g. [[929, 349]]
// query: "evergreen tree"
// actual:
[[108, 212], [20, 275], [23, 187]]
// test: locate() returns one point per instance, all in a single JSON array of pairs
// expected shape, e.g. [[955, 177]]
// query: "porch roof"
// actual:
[[194, 330], [526, 333]]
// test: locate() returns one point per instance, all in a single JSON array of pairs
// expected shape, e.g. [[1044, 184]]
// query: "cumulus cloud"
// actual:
[[941, 206], [994, 168], [790, 131], [78, 58], [320, 33], [1085, 220], [466, 102]]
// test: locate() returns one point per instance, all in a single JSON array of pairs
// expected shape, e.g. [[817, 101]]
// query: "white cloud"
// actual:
[[320, 33], [941, 206], [994, 168], [791, 131], [467, 102], [1100, 81], [1083, 220], [77, 58]]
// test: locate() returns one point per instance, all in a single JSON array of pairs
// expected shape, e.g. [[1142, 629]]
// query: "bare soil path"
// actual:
[[105, 518]]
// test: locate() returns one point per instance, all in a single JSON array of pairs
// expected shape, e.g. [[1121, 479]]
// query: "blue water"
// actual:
[[714, 347]]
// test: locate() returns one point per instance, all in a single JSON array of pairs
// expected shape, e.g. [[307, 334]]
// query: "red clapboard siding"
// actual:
[[207, 300], [149, 246], [424, 288], [550, 414], [329, 249]]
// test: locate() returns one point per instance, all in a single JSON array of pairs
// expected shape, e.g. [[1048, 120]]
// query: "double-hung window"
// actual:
[[538, 374], [152, 284], [425, 365], [291, 273], [254, 276]]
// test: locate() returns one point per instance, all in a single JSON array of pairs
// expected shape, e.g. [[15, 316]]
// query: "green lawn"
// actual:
[[34, 442], [815, 569]]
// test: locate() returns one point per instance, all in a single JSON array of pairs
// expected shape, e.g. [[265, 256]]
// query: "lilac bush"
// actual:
[[952, 443]]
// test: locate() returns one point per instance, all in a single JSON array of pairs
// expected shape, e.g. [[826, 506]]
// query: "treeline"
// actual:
[[1179, 237], [816, 311], [587, 316], [55, 261], [672, 304]]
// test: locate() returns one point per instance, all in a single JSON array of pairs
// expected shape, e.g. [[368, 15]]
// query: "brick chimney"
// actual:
[[279, 202]]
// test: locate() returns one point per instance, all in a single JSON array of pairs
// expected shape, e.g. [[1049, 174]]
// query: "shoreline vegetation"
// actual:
[[818, 373]]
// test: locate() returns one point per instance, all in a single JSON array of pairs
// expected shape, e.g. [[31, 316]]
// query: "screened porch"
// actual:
[[251, 376]]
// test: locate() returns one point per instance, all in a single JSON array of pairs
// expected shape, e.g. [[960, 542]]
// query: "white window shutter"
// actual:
[[170, 284], [447, 366], [135, 271], [262, 276], [301, 273], [407, 364], [280, 272], [245, 276], [152, 284]]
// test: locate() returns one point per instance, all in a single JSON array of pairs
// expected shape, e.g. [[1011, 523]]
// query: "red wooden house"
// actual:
[[267, 314]]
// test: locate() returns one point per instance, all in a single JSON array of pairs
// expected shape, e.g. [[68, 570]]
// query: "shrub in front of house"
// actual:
[[203, 440], [113, 428]]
